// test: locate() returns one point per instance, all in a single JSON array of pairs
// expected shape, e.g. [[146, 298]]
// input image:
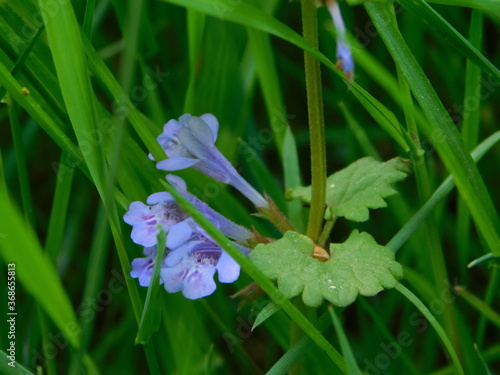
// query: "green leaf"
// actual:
[[357, 266], [362, 185], [268, 311]]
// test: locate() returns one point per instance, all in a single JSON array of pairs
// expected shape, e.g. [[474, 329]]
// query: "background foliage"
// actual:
[[89, 85]]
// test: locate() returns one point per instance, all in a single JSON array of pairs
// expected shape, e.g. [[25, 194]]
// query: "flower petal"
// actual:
[[176, 163], [160, 198], [211, 121], [173, 277], [176, 256], [143, 234], [178, 234], [228, 268], [199, 129], [177, 182], [136, 212], [199, 282]]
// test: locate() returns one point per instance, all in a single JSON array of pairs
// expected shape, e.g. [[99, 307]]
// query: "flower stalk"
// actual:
[[316, 121]]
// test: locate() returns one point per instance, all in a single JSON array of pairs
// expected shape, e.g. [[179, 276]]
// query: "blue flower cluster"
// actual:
[[191, 256]]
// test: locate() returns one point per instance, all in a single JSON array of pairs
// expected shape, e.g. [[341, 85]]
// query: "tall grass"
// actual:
[[87, 87]]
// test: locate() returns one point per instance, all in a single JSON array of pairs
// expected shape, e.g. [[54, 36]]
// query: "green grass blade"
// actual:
[[49, 123], [22, 169], [486, 367], [35, 271], [491, 293], [93, 284], [293, 178], [248, 15], [298, 350], [352, 366], [270, 86], [71, 67], [411, 226], [16, 369], [150, 320], [437, 327], [59, 210], [470, 135], [479, 305], [443, 29], [88, 18], [446, 138]]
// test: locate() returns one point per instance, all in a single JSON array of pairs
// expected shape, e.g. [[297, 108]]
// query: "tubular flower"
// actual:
[[344, 54], [163, 211], [189, 142], [191, 268], [191, 257], [142, 268]]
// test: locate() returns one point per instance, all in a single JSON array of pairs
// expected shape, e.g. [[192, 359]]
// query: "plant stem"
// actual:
[[316, 123]]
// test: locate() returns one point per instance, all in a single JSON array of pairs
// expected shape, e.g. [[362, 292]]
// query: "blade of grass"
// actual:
[[437, 327], [59, 211], [352, 366], [88, 19], [470, 135], [479, 305], [453, 38], [270, 86], [22, 169], [486, 368], [446, 138], [386, 333], [298, 350], [293, 178], [7, 369], [490, 295], [248, 15], [93, 284], [150, 320], [35, 271], [446, 186], [68, 53]]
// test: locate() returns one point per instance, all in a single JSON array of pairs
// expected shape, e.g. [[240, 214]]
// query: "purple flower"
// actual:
[[191, 268], [162, 211], [344, 54], [189, 142], [226, 226], [142, 268]]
